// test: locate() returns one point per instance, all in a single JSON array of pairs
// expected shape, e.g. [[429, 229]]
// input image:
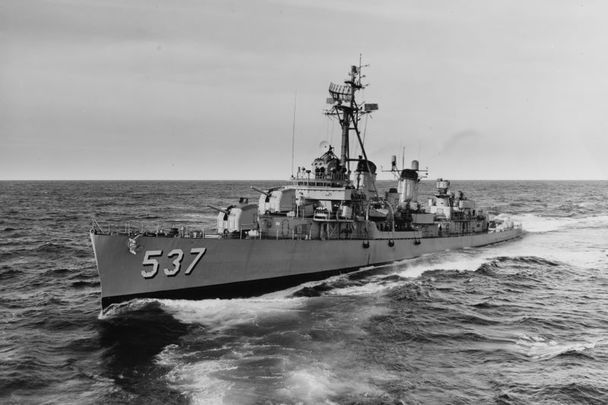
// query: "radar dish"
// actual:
[[324, 146], [340, 92]]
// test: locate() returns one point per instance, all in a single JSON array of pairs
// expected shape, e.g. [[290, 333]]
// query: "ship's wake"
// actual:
[[381, 279], [541, 224], [287, 350]]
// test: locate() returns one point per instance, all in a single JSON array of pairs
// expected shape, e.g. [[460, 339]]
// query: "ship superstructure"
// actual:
[[330, 219], [329, 201]]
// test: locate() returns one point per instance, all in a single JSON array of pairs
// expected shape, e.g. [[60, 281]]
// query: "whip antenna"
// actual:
[[293, 132]]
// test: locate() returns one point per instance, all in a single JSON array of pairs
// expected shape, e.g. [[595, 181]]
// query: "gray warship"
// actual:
[[329, 219]]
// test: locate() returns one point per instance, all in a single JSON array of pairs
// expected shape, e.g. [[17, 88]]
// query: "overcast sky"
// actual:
[[191, 89]]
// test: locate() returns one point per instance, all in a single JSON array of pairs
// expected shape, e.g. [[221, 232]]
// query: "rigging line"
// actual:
[[333, 129], [356, 150], [327, 130], [363, 140], [365, 128], [357, 132], [293, 132]]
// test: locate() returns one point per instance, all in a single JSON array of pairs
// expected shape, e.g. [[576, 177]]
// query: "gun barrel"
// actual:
[[259, 190], [213, 207]]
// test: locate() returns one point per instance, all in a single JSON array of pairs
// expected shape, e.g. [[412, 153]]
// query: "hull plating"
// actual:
[[164, 267]]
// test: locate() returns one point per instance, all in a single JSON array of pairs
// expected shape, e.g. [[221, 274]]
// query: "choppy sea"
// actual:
[[519, 322]]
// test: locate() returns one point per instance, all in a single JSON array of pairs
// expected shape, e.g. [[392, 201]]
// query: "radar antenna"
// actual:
[[345, 107]]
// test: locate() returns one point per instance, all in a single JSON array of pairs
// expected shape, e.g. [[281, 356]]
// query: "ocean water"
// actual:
[[514, 323]]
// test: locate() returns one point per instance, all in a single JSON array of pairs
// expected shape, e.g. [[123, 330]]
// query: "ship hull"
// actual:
[[196, 268]]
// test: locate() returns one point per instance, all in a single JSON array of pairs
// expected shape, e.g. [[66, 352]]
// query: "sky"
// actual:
[[205, 89]]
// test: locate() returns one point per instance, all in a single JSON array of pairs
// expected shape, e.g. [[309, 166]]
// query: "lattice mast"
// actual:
[[349, 112]]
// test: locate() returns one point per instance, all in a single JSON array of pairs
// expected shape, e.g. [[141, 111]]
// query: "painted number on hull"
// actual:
[[176, 263], [149, 260]]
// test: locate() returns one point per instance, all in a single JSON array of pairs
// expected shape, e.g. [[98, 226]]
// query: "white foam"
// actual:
[[540, 348], [581, 247], [535, 223], [196, 380], [406, 270], [462, 260], [220, 314], [317, 383], [120, 308], [305, 382], [369, 288], [282, 294], [312, 377], [309, 386]]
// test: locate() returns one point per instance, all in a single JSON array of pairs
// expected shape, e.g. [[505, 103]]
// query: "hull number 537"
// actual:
[[177, 254]]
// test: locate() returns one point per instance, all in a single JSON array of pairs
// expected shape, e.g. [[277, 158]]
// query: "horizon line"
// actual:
[[289, 180]]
